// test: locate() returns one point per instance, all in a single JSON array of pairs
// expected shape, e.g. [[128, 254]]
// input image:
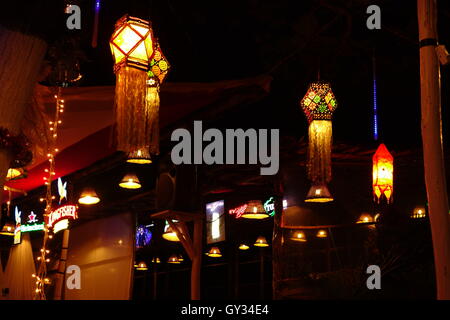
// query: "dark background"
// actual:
[[290, 40]]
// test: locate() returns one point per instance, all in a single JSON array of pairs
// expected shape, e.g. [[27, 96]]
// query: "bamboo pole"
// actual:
[[20, 62], [62, 266], [432, 145]]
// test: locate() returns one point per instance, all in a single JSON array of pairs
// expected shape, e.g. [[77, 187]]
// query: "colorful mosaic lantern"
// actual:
[[318, 105], [159, 66]]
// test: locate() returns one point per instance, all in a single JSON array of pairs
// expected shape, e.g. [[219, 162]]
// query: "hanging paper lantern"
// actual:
[[136, 97], [383, 174], [318, 105]]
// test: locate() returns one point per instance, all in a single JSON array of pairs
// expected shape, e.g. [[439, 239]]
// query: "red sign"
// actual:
[[64, 212], [239, 211]]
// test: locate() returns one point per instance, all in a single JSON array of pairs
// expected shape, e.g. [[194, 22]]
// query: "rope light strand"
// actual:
[[41, 276]]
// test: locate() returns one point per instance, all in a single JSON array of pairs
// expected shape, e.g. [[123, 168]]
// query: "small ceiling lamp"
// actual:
[[322, 234], [419, 213], [88, 197], [243, 246], [319, 193], [261, 242], [214, 252], [142, 266], [8, 229], [365, 218], [140, 156], [156, 260], [318, 105], [130, 181], [299, 236], [255, 210], [169, 234], [383, 174], [174, 259], [15, 174]]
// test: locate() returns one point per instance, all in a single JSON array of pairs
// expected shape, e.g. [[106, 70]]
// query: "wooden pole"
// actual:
[[20, 62], [197, 261], [62, 266], [432, 145]]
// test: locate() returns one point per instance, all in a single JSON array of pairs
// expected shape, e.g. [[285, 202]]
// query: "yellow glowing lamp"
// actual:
[[319, 193], [180, 258], [174, 259], [214, 252], [156, 260], [365, 218], [419, 213], [383, 173], [261, 242], [132, 43], [8, 229], [322, 234], [142, 266], [243, 246], [140, 156], [169, 234], [299, 236], [88, 197], [255, 210], [130, 181], [15, 174]]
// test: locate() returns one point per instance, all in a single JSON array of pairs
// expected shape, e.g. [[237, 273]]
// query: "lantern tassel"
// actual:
[[133, 112], [152, 102], [319, 151]]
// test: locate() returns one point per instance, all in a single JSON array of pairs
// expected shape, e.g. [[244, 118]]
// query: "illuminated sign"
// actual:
[[17, 235], [32, 224], [269, 206], [239, 211], [143, 236], [62, 190], [61, 225], [62, 213], [32, 227], [216, 222], [17, 232]]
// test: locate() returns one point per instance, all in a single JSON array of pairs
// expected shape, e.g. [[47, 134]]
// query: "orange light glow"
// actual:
[[383, 173]]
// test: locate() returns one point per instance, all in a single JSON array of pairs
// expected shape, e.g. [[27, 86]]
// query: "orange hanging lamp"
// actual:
[[383, 174]]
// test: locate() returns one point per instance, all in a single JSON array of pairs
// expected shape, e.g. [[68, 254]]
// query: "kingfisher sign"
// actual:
[[66, 212]]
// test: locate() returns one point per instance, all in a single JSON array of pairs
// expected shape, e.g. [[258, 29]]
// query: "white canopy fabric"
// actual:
[[19, 269]]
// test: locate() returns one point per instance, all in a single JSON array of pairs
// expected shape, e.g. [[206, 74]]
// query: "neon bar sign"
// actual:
[[239, 211], [269, 207], [64, 212], [32, 224]]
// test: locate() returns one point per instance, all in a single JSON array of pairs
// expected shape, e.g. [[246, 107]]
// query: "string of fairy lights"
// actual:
[[43, 259]]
